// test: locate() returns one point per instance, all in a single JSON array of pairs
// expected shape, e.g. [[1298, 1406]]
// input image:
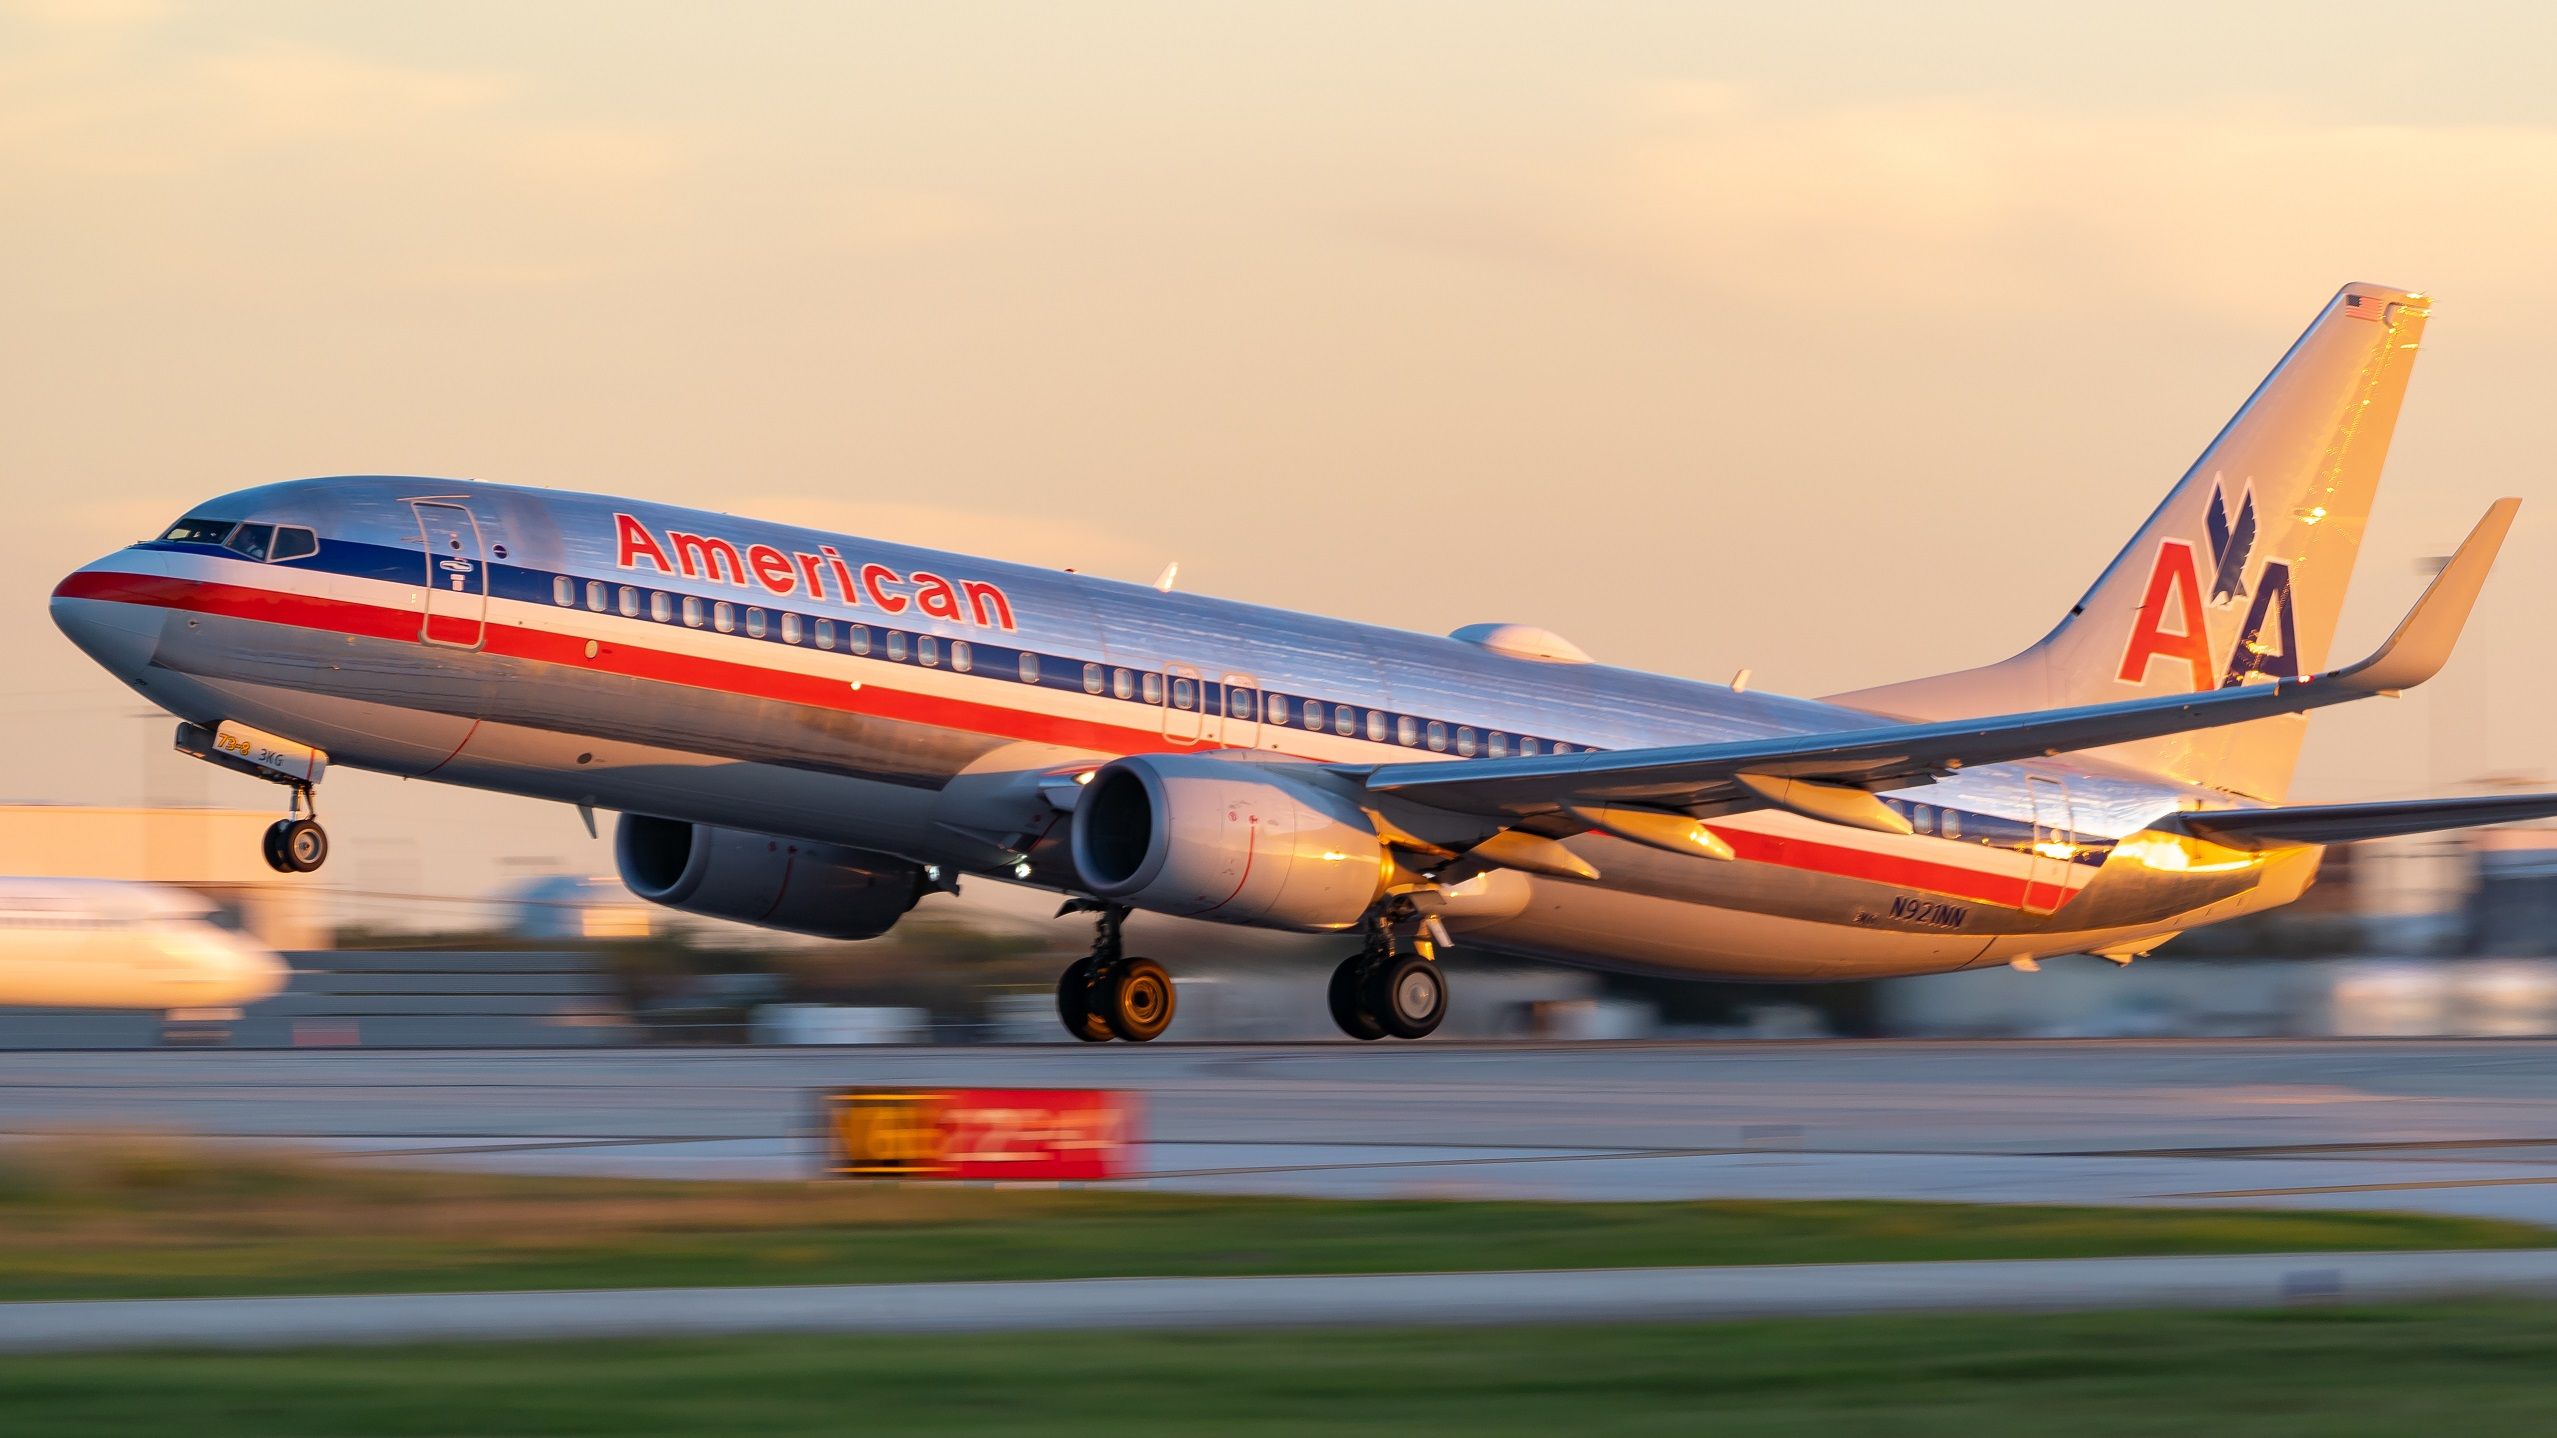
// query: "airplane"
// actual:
[[812, 731], [109, 944]]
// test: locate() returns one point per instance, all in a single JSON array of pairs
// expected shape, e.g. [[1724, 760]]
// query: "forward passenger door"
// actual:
[[456, 574]]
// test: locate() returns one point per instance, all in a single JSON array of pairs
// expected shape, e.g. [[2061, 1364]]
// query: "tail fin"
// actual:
[[2240, 573]]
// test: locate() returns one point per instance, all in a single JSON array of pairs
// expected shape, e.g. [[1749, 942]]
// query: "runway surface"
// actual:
[[1629, 1295], [2464, 1127]]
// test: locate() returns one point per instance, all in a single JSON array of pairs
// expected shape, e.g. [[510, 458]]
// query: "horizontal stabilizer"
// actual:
[[2343, 823], [1692, 776]]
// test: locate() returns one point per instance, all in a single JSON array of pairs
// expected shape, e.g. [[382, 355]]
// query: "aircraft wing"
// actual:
[[1822, 772], [2343, 823]]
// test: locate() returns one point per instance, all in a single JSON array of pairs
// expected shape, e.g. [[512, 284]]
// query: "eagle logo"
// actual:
[[2232, 540]]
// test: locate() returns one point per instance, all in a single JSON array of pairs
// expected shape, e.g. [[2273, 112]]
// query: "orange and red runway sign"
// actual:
[[1017, 1135]]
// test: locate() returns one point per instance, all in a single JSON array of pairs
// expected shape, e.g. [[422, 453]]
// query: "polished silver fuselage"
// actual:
[[460, 641]]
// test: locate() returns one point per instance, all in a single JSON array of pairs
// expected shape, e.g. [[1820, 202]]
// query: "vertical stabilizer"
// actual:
[[2239, 574]]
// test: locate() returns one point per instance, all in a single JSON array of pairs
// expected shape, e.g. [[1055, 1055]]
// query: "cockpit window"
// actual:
[[253, 540], [294, 542], [195, 529]]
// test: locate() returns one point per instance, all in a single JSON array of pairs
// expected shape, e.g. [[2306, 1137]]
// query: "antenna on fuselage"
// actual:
[[1164, 581]]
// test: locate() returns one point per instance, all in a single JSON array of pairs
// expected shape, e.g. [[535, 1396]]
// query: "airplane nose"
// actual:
[[121, 636]]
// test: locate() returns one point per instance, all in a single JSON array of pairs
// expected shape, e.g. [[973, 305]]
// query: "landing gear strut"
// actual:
[[1108, 994], [297, 844], [1380, 991]]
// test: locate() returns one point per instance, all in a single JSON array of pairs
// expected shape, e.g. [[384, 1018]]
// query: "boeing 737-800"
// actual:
[[811, 731]]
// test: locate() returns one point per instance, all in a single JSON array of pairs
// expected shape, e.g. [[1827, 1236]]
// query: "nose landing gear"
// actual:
[[294, 844], [1108, 994], [297, 844]]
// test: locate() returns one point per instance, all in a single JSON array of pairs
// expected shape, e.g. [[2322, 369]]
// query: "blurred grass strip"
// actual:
[[2297, 1373], [140, 1216]]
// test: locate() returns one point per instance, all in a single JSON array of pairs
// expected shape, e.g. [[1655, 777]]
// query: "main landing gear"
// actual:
[[297, 844], [1109, 995], [1381, 992]]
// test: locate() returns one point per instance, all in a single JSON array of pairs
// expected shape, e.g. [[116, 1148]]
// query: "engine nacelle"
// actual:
[[1215, 839], [819, 889]]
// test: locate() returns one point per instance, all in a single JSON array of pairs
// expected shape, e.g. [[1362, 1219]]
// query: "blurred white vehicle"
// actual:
[[108, 944]]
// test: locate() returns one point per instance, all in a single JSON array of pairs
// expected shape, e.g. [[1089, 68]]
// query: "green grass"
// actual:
[[133, 1217], [2474, 1370]]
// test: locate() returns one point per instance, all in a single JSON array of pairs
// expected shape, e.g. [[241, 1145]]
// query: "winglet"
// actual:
[[2423, 639]]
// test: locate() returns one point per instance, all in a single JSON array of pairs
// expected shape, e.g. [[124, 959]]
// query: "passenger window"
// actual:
[[1278, 709], [1153, 688], [1376, 725], [1238, 703], [595, 595], [897, 645], [825, 634], [1091, 678], [1314, 714], [927, 650], [629, 598], [563, 590], [1465, 744], [1029, 668], [1185, 694], [253, 540], [790, 629], [1561, 748], [1922, 819], [1407, 731], [661, 606], [294, 543], [754, 622], [1437, 737], [860, 643], [1499, 744], [723, 617], [1951, 824], [1122, 684], [692, 611], [1344, 720], [962, 658], [1526, 746]]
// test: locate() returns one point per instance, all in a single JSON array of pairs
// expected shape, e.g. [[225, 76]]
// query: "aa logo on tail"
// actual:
[[2172, 622]]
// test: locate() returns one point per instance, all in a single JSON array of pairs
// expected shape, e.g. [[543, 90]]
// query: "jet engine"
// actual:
[[819, 889], [1216, 839]]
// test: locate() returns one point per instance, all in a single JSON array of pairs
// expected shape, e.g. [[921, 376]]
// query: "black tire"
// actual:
[[1074, 1004], [1408, 996], [272, 844], [304, 844], [1349, 1005], [1138, 999]]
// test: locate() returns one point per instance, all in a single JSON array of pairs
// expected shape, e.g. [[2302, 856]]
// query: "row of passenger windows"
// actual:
[[1347, 720], [754, 622], [1180, 691]]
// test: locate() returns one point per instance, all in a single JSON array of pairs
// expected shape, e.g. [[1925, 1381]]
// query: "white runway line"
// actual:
[[1645, 1295]]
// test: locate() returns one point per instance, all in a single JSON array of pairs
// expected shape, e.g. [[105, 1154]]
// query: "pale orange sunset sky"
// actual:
[[1843, 342]]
